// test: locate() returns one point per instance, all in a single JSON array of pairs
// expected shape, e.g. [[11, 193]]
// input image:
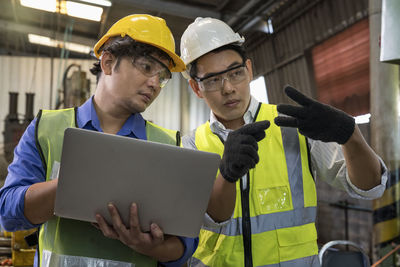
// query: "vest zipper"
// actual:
[[246, 225]]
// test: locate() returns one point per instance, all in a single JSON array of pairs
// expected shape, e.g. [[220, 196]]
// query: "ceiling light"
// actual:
[[84, 11], [270, 27], [69, 8], [47, 5], [43, 40], [98, 2]]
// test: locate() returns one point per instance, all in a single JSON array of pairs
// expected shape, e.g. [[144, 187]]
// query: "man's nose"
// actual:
[[227, 87], [154, 81]]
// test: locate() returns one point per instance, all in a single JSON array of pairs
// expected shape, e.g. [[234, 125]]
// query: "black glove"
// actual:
[[240, 152], [314, 119]]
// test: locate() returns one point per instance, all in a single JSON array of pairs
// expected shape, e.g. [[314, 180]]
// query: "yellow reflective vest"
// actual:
[[65, 242], [274, 216]]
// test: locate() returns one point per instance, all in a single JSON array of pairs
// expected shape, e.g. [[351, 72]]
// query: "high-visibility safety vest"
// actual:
[[273, 223], [65, 242]]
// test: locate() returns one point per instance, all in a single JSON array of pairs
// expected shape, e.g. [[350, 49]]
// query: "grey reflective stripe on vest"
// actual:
[[268, 222], [189, 141], [194, 262], [291, 146], [311, 261], [51, 259]]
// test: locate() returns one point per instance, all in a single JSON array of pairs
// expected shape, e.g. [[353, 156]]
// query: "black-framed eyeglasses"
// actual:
[[215, 81], [150, 66]]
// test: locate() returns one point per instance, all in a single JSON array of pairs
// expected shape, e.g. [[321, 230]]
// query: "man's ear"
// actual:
[[196, 88], [249, 68], [106, 62]]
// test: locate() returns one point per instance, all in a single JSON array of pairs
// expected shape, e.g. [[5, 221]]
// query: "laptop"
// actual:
[[171, 185]]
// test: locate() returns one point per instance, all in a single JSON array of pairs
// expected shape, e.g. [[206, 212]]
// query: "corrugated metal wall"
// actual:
[[199, 111], [36, 75], [284, 57], [341, 67], [167, 110]]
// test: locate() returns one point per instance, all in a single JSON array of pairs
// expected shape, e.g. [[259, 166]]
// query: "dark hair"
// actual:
[[237, 48], [126, 47]]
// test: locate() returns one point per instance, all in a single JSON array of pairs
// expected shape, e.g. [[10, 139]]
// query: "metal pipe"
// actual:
[[29, 107], [384, 94], [242, 11], [12, 114]]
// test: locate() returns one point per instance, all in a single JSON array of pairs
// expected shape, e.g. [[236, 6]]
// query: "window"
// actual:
[[259, 90]]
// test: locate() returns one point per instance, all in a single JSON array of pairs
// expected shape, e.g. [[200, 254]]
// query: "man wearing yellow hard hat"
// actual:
[[136, 58]]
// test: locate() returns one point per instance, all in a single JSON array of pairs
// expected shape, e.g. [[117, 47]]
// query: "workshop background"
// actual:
[[343, 53]]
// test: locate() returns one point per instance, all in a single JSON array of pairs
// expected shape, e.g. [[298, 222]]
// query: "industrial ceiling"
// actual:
[[17, 21]]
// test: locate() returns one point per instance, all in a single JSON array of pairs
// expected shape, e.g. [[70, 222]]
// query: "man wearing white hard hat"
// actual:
[[135, 60], [269, 161]]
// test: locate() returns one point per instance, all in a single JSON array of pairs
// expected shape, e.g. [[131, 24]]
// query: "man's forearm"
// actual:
[[363, 165], [222, 200], [39, 201]]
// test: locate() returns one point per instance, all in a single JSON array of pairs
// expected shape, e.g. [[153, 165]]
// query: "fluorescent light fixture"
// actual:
[[363, 118], [46, 5], [98, 2], [77, 48], [84, 11], [69, 8], [42, 40]]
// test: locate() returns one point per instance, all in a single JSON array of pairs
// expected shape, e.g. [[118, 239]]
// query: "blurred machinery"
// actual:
[[15, 126], [15, 248], [75, 89]]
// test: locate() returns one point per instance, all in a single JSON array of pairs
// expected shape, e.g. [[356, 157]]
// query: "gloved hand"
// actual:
[[314, 119], [240, 152]]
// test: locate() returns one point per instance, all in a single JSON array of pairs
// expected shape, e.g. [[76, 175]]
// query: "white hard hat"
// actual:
[[203, 36]]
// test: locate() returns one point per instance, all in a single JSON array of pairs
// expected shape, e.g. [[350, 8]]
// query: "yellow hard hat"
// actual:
[[146, 29]]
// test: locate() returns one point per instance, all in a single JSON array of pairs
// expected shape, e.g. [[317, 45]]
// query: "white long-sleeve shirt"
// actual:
[[327, 161]]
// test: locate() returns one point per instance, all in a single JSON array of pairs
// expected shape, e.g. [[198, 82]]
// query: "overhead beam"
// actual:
[[238, 16], [23, 28], [180, 10]]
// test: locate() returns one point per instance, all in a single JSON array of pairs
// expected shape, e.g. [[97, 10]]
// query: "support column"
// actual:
[[384, 83]]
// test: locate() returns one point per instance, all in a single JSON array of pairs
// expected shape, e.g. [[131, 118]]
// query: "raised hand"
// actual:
[[314, 119]]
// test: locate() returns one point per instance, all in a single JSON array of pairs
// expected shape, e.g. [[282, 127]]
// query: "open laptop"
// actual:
[[171, 185]]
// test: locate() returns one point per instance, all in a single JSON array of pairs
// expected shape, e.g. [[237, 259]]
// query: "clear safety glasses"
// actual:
[[215, 81], [150, 66]]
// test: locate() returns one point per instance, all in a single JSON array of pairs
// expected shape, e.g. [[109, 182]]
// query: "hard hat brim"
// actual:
[[179, 64]]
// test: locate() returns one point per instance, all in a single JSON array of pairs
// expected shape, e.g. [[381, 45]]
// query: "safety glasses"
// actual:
[[150, 66], [215, 81]]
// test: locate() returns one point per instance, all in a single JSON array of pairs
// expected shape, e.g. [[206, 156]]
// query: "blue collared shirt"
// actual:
[[27, 169]]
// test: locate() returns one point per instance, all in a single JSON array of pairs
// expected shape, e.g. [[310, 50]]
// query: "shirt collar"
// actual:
[[87, 118], [84, 113], [248, 116]]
